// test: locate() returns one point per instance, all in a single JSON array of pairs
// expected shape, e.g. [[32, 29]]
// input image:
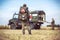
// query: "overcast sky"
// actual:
[[9, 7]]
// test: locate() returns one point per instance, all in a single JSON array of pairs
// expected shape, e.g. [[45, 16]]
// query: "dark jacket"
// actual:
[[26, 11], [53, 22]]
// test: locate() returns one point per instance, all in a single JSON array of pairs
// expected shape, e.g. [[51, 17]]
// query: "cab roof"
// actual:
[[38, 12]]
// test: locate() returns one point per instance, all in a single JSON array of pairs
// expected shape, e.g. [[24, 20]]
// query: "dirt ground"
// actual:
[[36, 35]]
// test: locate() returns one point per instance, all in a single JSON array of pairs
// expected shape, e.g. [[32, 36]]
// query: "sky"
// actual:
[[50, 7]]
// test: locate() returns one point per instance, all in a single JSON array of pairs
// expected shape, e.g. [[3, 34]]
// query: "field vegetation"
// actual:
[[45, 33]]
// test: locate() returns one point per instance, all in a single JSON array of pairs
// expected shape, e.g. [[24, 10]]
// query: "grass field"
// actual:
[[6, 34]]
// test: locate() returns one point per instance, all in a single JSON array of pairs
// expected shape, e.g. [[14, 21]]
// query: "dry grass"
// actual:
[[36, 35], [4, 27]]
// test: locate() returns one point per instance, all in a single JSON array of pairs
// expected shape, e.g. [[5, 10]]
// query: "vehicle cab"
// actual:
[[37, 18]]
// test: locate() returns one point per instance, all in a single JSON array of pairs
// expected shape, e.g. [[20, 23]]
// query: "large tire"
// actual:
[[37, 26], [12, 26]]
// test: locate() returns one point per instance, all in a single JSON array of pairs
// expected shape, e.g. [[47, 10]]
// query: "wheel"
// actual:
[[37, 26], [12, 26]]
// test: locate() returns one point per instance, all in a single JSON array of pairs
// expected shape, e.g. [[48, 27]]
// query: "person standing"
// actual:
[[52, 23], [24, 17]]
